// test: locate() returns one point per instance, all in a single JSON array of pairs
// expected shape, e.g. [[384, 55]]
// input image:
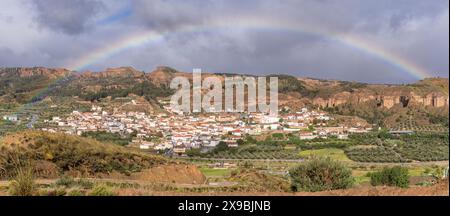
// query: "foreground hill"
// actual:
[[54, 155], [425, 102]]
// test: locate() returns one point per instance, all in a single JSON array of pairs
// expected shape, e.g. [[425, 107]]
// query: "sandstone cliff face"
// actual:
[[343, 98], [386, 101], [387, 98], [434, 99]]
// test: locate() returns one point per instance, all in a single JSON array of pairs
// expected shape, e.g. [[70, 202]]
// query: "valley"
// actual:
[[113, 133]]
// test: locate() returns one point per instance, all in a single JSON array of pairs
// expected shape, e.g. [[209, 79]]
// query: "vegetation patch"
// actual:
[[102, 190], [115, 138], [73, 154], [335, 154], [391, 176], [254, 181], [319, 175]]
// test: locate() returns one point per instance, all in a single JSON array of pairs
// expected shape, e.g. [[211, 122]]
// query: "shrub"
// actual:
[[65, 181], [278, 136], [319, 175], [23, 182], [86, 184], [394, 176], [68, 182], [55, 192], [76, 193], [101, 190]]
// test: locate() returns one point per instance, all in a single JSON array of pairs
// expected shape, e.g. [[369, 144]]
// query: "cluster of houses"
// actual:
[[173, 133]]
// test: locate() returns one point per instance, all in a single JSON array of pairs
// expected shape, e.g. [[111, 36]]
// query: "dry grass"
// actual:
[[65, 153], [22, 183]]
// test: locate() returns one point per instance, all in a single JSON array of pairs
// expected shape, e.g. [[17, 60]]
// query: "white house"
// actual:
[[307, 135], [269, 119], [12, 118]]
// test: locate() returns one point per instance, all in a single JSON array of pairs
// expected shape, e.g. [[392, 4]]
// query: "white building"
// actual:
[[12, 118]]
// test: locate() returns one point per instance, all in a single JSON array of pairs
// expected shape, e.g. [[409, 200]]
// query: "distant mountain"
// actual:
[[427, 100]]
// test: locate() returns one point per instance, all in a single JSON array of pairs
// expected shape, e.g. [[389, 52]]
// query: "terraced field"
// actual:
[[423, 147], [410, 125]]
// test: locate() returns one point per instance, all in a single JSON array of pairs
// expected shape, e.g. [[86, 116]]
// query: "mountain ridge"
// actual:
[[342, 97]]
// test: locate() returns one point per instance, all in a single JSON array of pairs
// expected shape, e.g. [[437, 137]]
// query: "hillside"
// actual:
[[21, 85]]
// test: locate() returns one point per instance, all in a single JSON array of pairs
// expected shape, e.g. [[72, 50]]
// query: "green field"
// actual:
[[333, 153]]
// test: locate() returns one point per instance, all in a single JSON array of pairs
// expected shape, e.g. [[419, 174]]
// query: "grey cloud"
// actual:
[[336, 15], [5, 18], [70, 17], [6, 57], [168, 14], [9, 58], [413, 29]]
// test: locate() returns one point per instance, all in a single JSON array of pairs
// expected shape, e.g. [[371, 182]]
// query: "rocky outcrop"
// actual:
[[34, 71], [430, 92], [121, 72], [162, 75], [433, 99]]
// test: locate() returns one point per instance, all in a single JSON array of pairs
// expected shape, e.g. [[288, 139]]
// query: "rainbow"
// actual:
[[352, 41], [152, 37]]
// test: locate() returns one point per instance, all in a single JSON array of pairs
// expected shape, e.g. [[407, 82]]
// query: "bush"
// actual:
[[194, 152], [85, 184], [54, 192], [23, 182], [65, 181], [101, 190], [395, 176], [319, 175], [68, 182]]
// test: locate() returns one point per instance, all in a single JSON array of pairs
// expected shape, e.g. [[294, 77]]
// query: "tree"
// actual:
[[250, 140], [222, 146], [278, 136], [194, 152], [240, 142]]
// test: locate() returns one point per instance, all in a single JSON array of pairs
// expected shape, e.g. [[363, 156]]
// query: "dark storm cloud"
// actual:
[[168, 14], [70, 17], [342, 15]]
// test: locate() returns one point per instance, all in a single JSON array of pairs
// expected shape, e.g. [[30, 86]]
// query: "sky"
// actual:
[[383, 41]]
